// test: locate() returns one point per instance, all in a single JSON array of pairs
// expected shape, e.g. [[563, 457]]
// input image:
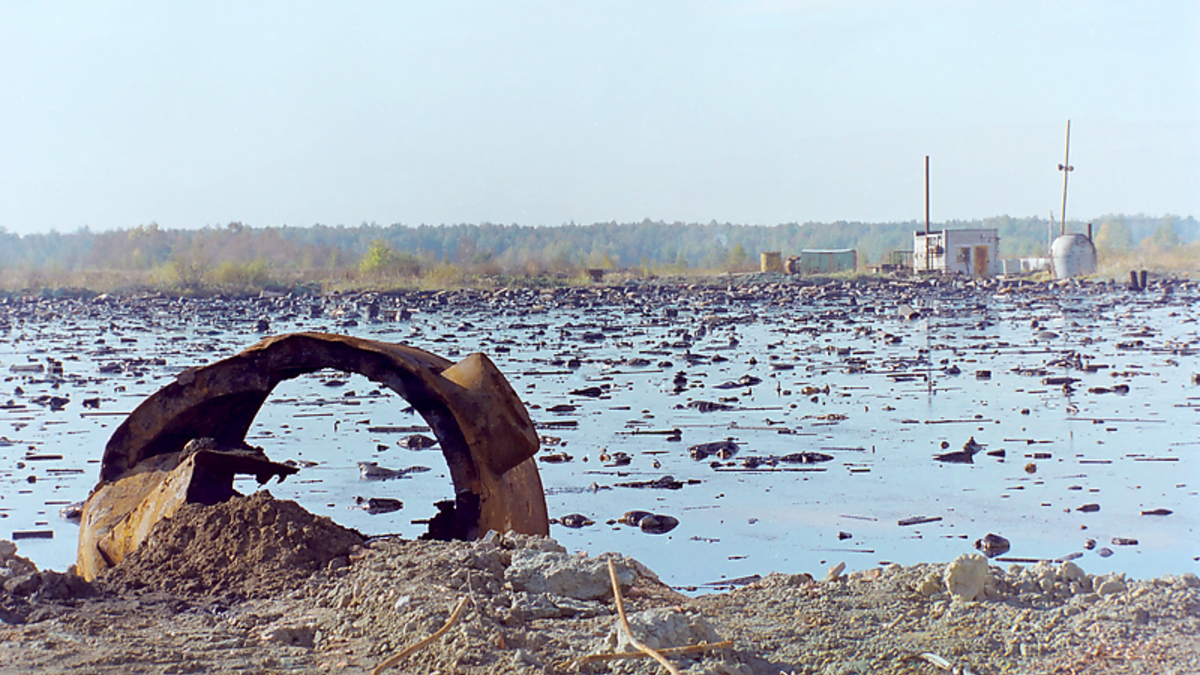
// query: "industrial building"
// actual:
[[972, 253], [823, 261]]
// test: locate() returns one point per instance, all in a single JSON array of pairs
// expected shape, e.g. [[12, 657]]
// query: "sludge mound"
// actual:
[[248, 547]]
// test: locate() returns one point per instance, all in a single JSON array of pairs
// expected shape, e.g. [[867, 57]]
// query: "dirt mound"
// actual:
[[247, 547]]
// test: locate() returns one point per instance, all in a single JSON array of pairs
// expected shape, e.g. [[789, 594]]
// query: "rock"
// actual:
[[18, 566], [53, 586], [562, 574], [661, 628], [702, 451], [1190, 580], [633, 518], [24, 584], [835, 572], [932, 583], [1069, 572], [302, 635], [575, 520], [377, 505], [992, 545], [1044, 576], [1140, 616], [1111, 586], [7, 549], [966, 576], [658, 524], [418, 442], [544, 606]]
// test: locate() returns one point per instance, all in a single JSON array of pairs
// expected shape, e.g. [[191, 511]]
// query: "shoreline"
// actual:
[[532, 607]]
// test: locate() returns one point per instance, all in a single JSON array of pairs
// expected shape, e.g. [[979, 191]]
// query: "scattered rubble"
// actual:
[[528, 605]]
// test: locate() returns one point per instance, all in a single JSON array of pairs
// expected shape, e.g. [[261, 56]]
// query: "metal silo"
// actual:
[[1073, 255]]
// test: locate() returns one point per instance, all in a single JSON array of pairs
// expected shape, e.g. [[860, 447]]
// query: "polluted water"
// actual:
[[714, 431]]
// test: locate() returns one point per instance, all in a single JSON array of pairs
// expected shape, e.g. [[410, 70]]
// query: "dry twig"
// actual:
[[454, 616], [612, 574], [670, 651]]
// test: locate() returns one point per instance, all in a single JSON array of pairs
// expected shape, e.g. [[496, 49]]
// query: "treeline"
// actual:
[[239, 254]]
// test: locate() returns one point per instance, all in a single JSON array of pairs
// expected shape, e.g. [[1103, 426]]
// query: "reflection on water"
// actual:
[[840, 374]]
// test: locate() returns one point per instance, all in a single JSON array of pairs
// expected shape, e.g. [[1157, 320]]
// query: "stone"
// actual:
[[7, 549], [296, 635], [1110, 586], [1069, 572], [966, 576], [562, 574], [1190, 580], [1044, 576], [24, 584], [932, 583], [661, 628], [53, 586], [835, 572]]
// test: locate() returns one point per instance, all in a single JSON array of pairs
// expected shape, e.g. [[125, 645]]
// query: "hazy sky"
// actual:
[[114, 114]]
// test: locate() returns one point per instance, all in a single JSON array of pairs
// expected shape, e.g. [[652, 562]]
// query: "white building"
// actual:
[[973, 253]]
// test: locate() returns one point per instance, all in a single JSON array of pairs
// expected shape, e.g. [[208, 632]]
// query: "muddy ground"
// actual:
[[259, 585]]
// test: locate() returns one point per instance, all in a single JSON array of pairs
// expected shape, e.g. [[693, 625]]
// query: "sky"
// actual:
[[116, 114]]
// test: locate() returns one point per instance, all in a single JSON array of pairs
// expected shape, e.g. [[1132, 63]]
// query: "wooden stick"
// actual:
[[454, 616], [612, 574], [670, 651]]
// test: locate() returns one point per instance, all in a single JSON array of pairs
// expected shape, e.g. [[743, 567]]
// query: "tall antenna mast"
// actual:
[[928, 262], [1066, 168]]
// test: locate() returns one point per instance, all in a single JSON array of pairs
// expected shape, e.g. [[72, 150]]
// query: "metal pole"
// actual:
[[1066, 168], [928, 262]]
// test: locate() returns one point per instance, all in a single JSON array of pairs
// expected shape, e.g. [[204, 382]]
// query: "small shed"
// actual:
[[771, 261], [973, 253], [823, 261]]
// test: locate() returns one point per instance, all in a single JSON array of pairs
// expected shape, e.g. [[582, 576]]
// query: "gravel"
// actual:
[[349, 616]]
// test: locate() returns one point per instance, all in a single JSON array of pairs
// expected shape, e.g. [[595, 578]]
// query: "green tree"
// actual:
[[378, 258], [381, 259], [1114, 236], [1164, 238], [737, 258]]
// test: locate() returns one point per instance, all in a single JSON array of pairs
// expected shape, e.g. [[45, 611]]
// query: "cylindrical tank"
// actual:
[[1073, 255], [771, 261]]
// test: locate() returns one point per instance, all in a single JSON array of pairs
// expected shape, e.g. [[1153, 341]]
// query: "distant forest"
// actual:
[[241, 253]]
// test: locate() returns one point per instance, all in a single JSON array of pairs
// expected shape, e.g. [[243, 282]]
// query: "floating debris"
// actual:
[[377, 505], [703, 451], [418, 442], [918, 520], [574, 521], [964, 456], [658, 524], [632, 518], [992, 545], [372, 471], [663, 483]]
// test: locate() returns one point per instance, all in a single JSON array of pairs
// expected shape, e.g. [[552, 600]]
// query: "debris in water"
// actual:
[[992, 545], [376, 505], [918, 520]]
